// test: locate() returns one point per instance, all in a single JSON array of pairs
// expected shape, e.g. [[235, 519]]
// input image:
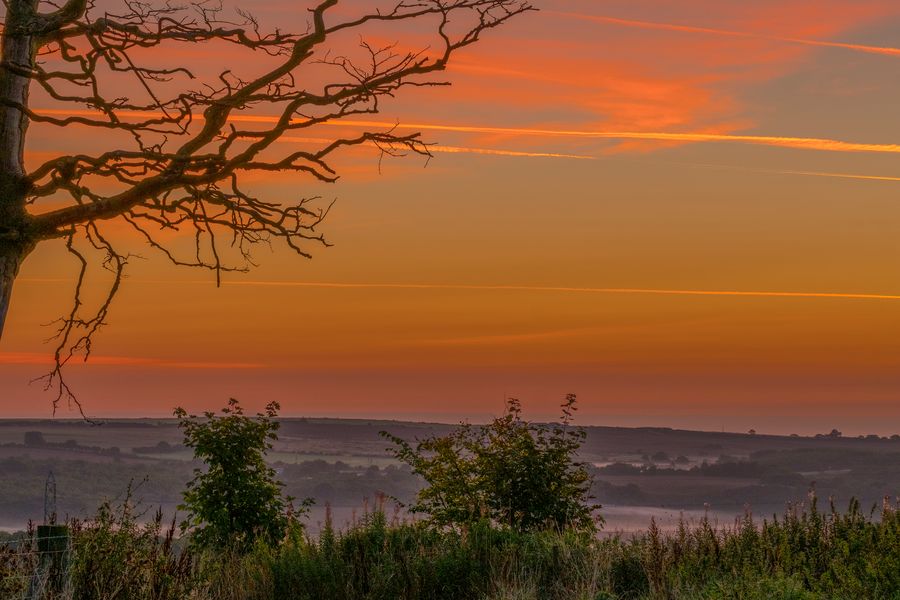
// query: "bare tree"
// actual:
[[182, 144]]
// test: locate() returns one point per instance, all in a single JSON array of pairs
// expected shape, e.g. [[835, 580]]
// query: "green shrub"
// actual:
[[511, 472], [237, 498]]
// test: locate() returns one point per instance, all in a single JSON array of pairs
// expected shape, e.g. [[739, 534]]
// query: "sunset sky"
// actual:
[[685, 212]]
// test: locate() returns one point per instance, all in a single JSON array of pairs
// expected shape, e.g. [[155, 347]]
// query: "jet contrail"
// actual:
[[837, 175], [784, 171], [815, 143], [583, 290], [455, 149], [886, 51], [803, 143], [515, 288]]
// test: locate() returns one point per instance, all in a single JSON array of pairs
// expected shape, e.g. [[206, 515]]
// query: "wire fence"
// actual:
[[14, 544], [32, 562]]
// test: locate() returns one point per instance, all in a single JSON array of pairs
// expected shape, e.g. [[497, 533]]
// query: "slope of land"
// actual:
[[639, 472]]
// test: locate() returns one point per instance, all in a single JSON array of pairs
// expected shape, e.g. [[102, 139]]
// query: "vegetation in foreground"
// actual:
[[476, 538], [807, 554]]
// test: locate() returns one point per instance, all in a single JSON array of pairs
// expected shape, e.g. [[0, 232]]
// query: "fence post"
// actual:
[[53, 549], [52, 543], [53, 560]]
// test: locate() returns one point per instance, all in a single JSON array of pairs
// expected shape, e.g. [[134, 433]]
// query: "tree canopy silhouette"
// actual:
[[180, 142]]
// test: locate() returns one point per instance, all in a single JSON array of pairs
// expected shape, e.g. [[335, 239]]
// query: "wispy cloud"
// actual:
[[45, 359], [886, 51], [802, 143], [821, 144]]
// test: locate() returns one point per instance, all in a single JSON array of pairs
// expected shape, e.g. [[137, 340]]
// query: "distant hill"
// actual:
[[343, 461]]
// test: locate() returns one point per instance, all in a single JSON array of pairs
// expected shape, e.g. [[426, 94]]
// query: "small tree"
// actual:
[[237, 498], [512, 472]]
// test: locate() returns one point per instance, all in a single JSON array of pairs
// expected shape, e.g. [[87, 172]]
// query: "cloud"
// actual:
[[801, 143], [886, 51], [553, 71], [45, 359]]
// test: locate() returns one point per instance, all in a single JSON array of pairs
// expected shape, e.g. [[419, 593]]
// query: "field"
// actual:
[[809, 554], [638, 473], [688, 514]]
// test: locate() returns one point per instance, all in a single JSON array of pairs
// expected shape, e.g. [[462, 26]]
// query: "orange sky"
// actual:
[[591, 159]]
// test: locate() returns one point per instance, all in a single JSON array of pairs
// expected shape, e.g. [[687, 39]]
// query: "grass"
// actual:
[[806, 554]]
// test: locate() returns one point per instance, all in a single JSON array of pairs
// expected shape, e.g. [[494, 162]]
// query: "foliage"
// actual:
[[114, 555], [237, 499], [805, 555], [381, 559], [512, 472]]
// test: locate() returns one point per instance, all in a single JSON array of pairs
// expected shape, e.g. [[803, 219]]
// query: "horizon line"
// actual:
[[439, 420]]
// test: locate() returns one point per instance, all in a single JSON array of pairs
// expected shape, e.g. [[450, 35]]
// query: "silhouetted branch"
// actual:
[[192, 137]]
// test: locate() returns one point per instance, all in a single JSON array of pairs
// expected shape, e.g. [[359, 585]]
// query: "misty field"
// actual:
[[638, 473], [687, 515]]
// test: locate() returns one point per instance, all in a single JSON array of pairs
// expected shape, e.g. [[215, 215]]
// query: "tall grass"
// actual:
[[807, 553]]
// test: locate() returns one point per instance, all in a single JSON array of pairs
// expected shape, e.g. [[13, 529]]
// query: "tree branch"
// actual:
[[194, 136]]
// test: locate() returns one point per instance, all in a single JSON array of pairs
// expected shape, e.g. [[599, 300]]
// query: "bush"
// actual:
[[510, 472], [115, 556], [237, 498]]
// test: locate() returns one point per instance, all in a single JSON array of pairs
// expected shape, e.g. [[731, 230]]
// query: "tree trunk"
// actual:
[[19, 49], [18, 55], [11, 257]]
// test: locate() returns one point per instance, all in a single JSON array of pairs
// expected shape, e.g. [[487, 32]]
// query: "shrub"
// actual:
[[114, 555], [511, 472], [237, 498]]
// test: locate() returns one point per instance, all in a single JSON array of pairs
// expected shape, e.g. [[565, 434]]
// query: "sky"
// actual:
[[685, 213]]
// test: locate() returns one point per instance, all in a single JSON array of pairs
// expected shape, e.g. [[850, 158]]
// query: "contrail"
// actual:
[[885, 51], [34, 358], [582, 290], [803, 143], [838, 175], [785, 171], [815, 143], [456, 149], [518, 288]]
